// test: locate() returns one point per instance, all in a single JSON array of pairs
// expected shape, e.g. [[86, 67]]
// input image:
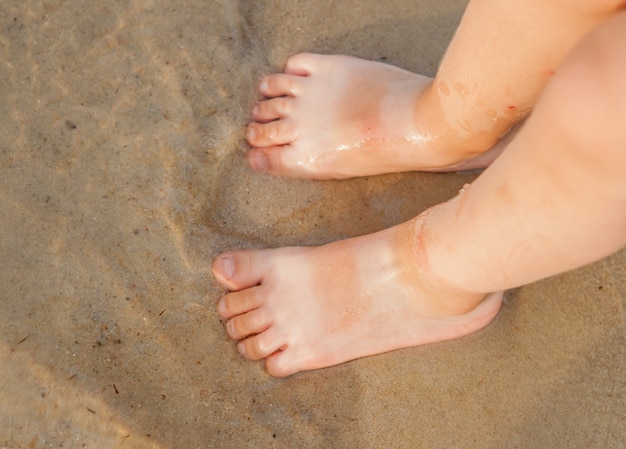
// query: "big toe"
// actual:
[[304, 64], [281, 84], [239, 270]]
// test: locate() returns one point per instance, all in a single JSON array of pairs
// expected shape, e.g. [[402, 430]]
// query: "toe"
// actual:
[[268, 110], [239, 270], [261, 345], [281, 84], [258, 161], [302, 64], [278, 132], [250, 323], [270, 161], [236, 303], [279, 364], [286, 161]]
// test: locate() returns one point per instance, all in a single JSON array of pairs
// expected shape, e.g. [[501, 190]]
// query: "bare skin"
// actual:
[[379, 304], [295, 132], [553, 200], [337, 117]]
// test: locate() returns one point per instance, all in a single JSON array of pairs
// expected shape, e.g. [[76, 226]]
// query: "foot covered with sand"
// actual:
[[303, 308], [335, 117]]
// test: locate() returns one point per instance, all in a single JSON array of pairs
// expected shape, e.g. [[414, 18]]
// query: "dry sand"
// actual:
[[122, 176]]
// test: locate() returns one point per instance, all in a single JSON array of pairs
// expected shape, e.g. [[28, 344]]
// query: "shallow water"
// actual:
[[122, 175]]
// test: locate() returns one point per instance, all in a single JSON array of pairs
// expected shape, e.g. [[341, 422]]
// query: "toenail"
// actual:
[[221, 307], [241, 348], [258, 161], [230, 327], [228, 267], [263, 86], [251, 135], [255, 109]]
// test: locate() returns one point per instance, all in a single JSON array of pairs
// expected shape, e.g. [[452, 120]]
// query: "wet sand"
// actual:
[[122, 175]]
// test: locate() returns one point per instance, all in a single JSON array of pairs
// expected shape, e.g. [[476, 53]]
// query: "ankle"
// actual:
[[446, 298], [453, 130]]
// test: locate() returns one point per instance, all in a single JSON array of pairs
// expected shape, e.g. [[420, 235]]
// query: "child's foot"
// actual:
[[338, 117], [313, 307]]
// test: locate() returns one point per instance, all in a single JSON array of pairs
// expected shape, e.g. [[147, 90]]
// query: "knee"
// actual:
[[590, 94], [601, 56]]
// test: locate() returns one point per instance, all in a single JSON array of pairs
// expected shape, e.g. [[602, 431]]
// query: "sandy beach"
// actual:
[[123, 174]]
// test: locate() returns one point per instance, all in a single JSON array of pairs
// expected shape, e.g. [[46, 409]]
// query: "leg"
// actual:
[[556, 198], [338, 117], [553, 201]]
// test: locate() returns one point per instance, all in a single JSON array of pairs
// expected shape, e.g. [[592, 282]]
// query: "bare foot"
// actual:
[[334, 117], [304, 308]]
